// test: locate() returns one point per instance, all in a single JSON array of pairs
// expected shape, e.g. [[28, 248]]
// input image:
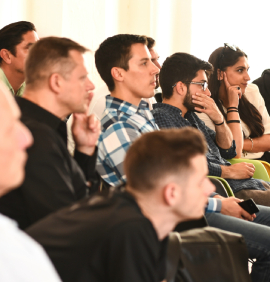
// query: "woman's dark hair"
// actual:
[[222, 58]]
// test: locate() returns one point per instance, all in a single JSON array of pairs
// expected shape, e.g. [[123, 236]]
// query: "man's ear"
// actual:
[[117, 73], [220, 74], [6, 56], [181, 88], [170, 193], [56, 82]]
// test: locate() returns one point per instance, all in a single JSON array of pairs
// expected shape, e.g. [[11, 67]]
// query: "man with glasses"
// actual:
[[184, 86], [183, 79]]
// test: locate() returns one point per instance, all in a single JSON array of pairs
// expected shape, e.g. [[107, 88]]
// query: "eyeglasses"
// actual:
[[204, 84], [226, 45]]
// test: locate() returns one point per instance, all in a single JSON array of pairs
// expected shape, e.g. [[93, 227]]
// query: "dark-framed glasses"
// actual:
[[204, 84]]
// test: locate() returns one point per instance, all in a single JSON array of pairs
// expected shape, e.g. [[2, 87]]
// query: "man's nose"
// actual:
[[207, 92], [155, 69], [89, 84]]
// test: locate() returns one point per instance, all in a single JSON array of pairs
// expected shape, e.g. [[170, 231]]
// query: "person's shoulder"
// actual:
[[116, 123], [42, 133], [19, 251], [47, 141], [12, 237], [252, 88], [128, 222], [160, 109], [252, 93], [116, 209], [93, 218]]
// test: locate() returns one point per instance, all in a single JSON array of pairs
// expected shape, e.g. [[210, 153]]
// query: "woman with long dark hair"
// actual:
[[249, 121]]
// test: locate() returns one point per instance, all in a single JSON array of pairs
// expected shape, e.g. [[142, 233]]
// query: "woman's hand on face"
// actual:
[[234, 92]]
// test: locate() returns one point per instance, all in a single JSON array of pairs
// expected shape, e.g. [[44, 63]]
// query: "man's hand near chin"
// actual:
[[231, 207], [86, 131]]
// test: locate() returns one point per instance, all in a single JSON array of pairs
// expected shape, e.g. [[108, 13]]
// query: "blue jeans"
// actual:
[[257, 238]]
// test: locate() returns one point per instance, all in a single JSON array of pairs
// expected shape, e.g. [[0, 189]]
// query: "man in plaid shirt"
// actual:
[[124, 63], [126, 116]]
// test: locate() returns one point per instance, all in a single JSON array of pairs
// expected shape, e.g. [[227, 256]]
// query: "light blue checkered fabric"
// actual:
[[121, 124]]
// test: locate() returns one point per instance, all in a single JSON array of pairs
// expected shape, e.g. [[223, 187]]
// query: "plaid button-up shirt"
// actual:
[[121, 124], [167, 116]]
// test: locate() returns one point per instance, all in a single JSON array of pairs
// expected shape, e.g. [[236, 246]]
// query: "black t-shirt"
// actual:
[[102, 239]]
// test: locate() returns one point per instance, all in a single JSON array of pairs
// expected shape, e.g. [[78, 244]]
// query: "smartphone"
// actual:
[[249, 206]]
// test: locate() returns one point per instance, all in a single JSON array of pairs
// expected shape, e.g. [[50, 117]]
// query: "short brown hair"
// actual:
[[158, 154], [50, 55]]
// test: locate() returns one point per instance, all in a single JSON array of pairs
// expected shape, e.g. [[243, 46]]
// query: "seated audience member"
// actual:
[[230, 81], [21, 258], [124, 63], [123, 122], [183, 79], [178, 109], [123, 236], [98, 103], [263, 83], [56, 86], [15, 41]]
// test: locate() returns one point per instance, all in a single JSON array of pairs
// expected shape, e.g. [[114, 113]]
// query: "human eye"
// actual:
[[28, 46], [240, 70]]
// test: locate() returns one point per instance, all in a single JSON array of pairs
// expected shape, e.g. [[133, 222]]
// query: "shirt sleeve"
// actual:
[[214, 205], [113, 145], [214, 169], [88, 166]]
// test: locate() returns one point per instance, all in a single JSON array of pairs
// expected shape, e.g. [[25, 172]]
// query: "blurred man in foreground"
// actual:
[[21, 258]]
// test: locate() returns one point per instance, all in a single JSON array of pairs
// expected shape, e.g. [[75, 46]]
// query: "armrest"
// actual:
[[225, 184]]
